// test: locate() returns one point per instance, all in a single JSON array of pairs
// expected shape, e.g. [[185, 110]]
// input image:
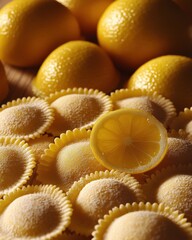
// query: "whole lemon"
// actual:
[[135, 31], [87, 13], [76, 64], [31, 29], [170, 76], [4, 86]]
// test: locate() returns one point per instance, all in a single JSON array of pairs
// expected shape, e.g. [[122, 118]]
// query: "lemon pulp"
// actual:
[[129, 140]]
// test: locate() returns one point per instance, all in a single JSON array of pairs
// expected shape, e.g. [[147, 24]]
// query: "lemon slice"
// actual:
[[129, 140]]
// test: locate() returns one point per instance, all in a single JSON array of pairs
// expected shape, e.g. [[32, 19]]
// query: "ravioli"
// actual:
[[25, 118], [95, 194], [17, 163], [160, 107], [142, 221], [34, 212], [77, 108], [68, 159]]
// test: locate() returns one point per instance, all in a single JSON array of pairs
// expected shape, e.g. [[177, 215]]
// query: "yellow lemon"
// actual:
[[76, 64], [31, 29], [4, 87], [87, 13], [170, 76], [129, 140], [135, 31]]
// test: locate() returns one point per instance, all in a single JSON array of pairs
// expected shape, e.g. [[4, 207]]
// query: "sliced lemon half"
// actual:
[[129, 140]]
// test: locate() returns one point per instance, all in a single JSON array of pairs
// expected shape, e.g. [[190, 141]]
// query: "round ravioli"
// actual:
[[95, 194], [158, 106], [17, 163], [179, 150], [142, 222], [25, 118], [77, 108], [68, 159], [34, 212], [172, 186], [183, 121]]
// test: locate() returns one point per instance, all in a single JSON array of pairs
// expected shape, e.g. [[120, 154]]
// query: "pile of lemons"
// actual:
[[141, 45], [92, 44], [101, 44]]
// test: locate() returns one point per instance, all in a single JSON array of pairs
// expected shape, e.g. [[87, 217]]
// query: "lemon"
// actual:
[[30, 30], [4, 86], [135, 31], [87, 13], [170, 76], [76, 64], [128, 140]]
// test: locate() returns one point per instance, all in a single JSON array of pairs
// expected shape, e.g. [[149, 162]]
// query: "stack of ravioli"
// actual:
[[54, 187], [82, 157]]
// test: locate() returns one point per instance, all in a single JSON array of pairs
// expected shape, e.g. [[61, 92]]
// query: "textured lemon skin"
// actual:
[[76, 64], [4, 85], [170, 76], [135, 31], [87, 13], [30, 30]]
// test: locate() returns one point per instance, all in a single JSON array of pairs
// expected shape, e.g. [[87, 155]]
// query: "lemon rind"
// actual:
[[116, 212], [50, 154], [101, 96], [77, 186], [159, 176], [48, 111], [182, 120], [60, 198], [30, 162], [165, 103]]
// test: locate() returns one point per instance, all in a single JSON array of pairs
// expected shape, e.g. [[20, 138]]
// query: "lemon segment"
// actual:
[[129, 140]]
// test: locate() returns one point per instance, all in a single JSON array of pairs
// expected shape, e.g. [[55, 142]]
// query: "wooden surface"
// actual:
[[19, 82]]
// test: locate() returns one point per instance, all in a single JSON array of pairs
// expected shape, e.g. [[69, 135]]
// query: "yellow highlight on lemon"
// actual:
[[129, 140]]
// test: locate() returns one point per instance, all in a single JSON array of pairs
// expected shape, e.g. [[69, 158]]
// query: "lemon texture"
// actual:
[[76, 64], [30, 30], [129, 140], [135, 31], [169, 76]]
